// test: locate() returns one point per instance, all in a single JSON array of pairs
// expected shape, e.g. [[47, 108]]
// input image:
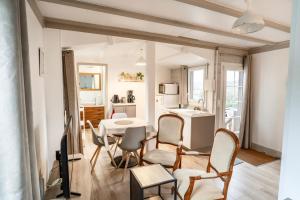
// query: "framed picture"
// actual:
[[41, 62]]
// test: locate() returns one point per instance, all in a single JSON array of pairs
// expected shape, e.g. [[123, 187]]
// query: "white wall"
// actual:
[[54, 91], [163, 75], [150, 80], [269, 78], [126, 64], [290, 165], [35, 40]]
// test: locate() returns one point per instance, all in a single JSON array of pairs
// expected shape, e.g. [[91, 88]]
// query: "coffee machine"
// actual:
[[115, 99], [130, 96]]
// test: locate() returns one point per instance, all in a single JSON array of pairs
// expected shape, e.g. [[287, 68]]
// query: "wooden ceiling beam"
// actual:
[[165, 21], [129, 33], [231, 12], [36, 11], [278, 45]]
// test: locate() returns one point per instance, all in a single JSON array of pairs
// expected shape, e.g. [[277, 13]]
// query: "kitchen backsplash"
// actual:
[[91, 97]]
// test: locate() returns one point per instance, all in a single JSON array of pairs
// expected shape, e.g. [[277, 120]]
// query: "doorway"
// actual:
[[233, 80]]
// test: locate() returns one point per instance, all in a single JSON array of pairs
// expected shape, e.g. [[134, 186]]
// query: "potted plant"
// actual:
[[139, 76]]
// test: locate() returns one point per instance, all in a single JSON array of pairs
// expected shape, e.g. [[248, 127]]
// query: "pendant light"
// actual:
[[249, 22], [141, 61]]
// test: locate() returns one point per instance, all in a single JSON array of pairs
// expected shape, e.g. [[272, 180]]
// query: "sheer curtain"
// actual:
[[18, 168], [244, 136]]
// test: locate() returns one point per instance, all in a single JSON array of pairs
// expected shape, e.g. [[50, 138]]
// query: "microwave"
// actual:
[[168, 88]]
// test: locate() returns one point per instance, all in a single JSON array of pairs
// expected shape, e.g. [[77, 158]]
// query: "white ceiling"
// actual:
[[167, 55], [276, 10]]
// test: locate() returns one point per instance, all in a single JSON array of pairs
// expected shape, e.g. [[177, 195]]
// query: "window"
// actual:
[[196, 84], [233, 98]]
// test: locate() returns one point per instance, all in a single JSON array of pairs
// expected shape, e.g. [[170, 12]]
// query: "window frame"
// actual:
[[190, 69], [227, 67]]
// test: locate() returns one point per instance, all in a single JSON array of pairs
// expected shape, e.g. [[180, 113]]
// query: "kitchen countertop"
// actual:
[[92, 105], [189, 112], [123, 104]]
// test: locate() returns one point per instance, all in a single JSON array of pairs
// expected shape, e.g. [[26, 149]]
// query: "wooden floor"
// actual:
[[254, 157], [248, 181]]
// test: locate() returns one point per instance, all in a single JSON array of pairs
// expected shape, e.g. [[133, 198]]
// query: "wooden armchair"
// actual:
[[199, 185], [170, 130]]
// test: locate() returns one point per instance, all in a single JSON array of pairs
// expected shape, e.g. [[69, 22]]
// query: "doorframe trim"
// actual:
[[225, 66]]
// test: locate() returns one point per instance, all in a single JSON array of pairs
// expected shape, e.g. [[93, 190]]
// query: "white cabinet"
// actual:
[[119, 109], [128, 108], [187, 132]]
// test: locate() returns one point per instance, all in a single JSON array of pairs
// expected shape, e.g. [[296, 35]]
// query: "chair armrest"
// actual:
[[210, 175], [143, 143], [151, 137], [206, 176], [180, 153], [180, 144], [193, 153], [193, 179]]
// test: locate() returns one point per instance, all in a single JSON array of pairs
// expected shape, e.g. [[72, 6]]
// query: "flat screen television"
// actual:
[[65, 173]]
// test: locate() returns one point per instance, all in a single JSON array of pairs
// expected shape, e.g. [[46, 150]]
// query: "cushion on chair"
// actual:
[[205, 189], [158, 156], [170, 129], [222, 151]]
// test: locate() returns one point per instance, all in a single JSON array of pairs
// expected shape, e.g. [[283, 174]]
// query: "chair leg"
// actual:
[[180, 163], [117, 142], [96, 158], [112, 159], [126, 165], [112, 146], [97, 149], [172, 190], [122, 160], [137, 156]]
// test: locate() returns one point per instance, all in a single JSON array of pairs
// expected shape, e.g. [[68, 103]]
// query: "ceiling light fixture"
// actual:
[[249, 22], [141, 61]]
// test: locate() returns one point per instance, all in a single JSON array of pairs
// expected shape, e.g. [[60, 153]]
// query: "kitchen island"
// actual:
[[199, 128]]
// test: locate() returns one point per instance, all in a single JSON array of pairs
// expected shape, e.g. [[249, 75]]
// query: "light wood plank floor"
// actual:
[[248, 182]]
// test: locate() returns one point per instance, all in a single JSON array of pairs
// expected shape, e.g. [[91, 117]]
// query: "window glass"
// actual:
[[196, 84], [233, 99]]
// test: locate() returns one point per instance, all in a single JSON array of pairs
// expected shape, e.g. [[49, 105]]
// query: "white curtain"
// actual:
[[244, 136], [18, 165]]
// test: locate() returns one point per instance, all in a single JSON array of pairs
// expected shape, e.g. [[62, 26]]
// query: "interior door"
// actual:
[[232, 96]]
